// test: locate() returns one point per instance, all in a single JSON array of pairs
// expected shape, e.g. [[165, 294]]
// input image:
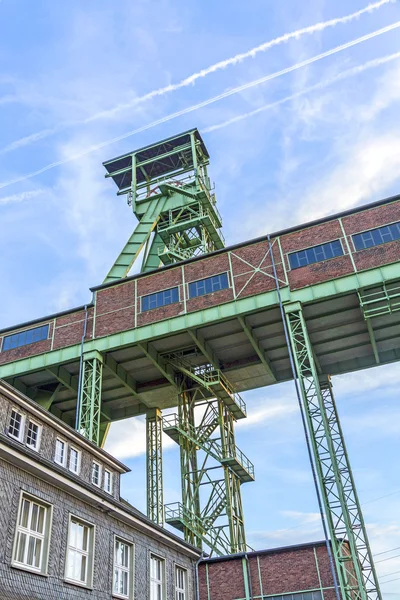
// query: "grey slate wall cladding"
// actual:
[[19, 584]]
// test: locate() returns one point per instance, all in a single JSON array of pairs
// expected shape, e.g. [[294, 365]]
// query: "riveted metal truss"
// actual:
[[90, 396], [155, 502], [212, 467], [352, 553]]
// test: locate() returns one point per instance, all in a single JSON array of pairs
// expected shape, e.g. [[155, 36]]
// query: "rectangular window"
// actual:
[[61, 452], [80, 552], [208, 285], [122, 569], [160, 299], [157, 569], [96, 473], [16, 425], [108, 481], [33, 435], [180, 583], [23, 338], [32, 534], [74, 464], [375, 237], [315, 254]]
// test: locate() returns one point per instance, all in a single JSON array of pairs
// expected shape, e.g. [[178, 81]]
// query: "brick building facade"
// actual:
[[64, 530], [300, 572]]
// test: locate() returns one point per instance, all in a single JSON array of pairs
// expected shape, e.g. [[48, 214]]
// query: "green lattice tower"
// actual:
[[169, 191], [351, 549], [155, 502], [212, 466], [90, 396]]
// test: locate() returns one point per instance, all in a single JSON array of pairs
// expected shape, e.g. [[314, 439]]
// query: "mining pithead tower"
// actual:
[[198, 323]]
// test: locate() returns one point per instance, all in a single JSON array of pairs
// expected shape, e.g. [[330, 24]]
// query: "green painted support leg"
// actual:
[[155, 496], [352, 553], [90, 396]]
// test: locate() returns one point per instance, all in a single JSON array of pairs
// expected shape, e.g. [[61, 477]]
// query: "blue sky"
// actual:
[[76, 75]]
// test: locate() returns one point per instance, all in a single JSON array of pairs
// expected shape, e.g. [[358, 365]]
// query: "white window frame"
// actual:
[[43, 537], [39, 435], [129, 569], [20, 436], [100, 472], [181, 593], [89, 553], [79, 457], [64, 460], [161, 581], [109, 491]]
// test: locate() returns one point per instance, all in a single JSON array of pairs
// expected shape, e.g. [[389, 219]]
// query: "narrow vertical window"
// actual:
[[74, 460], [108, 481], [33, 435], [32, 534], [157, 566], [16, 425], [96, 473], [61, 452], [180, 583], [122, 569], [80, 551]]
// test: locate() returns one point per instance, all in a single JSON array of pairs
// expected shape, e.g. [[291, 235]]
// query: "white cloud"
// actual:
[[20, 197], [127, 439]]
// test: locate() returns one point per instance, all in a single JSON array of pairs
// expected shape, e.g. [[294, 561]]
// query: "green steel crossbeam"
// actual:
[[353, 558]]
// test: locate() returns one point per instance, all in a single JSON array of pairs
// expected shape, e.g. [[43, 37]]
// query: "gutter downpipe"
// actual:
[[78, 400], [303, 419], [196, 576]]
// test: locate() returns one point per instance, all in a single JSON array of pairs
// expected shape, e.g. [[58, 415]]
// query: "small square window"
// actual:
[[108, 481], [96, 473], [16, 425], [74, 464], [60, 456], [33, 436]]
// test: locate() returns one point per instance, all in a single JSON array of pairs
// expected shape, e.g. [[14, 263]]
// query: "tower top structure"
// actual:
[[169, 190]]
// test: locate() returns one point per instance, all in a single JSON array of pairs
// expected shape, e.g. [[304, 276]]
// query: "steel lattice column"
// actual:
[[155, 495], [353, 558], [188, 457], [233, 496], [90, 396]]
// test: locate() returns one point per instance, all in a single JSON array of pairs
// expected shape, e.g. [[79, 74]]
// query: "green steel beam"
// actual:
[[373, 341], [204, 347], [155, 495], [158, 361], [351, 550], [123, 376], [64, 377], [256, 346]]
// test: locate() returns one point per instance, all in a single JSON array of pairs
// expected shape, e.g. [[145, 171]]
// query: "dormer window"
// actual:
[[16, 425]]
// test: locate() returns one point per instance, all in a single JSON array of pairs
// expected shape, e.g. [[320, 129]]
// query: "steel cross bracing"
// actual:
[[212, 467], [170, 194], [352, 553], [155, 501], [90, 396]]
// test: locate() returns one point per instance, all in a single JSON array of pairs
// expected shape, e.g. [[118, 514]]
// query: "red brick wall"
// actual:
[[281, 572]]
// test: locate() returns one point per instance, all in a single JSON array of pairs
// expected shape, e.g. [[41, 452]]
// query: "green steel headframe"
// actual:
[[168, 188]]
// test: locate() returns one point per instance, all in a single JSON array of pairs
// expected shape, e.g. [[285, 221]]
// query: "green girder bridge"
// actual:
[[151, 342]]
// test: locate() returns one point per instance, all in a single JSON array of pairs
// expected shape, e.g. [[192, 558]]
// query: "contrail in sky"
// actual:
[[377, 62], [239, 57], [200, 74], [194, 107]]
